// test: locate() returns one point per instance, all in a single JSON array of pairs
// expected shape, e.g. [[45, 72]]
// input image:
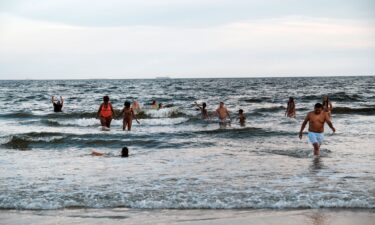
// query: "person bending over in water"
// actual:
[[291, 108], [241, 117], [327, 105], [124, 152], [223, 114], [106, 112], [57, 104], [154, 105], [316, 120], [203, 110], [128, 116], [136, 106]]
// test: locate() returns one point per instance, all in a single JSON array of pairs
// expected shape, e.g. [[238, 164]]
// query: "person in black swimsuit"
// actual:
[[57, 104]]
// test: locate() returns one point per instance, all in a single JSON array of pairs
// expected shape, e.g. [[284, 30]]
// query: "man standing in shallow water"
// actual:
[[316, 120], [223, 114]]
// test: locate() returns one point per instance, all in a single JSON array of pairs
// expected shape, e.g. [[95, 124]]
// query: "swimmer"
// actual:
[[203, 110], [316, 120], [154, 105], [327, 105], [291, 108], [223, 114], [124, 153], [136, 106], [57, 104], [106, 112], [241, 117], [128, 116]]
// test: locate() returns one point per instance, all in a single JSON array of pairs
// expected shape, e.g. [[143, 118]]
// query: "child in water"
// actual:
[[128, 116], [241, 117]]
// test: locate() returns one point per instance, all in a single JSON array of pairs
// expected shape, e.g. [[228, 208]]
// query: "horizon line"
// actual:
[[204, 77]]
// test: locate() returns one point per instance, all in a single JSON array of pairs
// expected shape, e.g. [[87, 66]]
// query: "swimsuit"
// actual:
[[315, 137], [106, 111]]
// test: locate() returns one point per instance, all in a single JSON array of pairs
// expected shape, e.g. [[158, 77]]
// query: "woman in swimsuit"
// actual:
[[106, 112], [291, 108], [327, 105], [128, 116]]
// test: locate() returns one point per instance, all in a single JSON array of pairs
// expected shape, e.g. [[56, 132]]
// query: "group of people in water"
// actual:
[[316, 118]]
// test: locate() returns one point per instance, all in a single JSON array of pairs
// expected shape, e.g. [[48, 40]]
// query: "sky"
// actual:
[[124, 39]]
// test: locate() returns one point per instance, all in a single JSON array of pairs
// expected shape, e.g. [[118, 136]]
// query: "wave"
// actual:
[[270, 109], [180, 199], [337, 97], [348, 110], [52, 140]]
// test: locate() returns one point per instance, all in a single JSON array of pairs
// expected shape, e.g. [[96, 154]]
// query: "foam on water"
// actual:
[[179, 161]]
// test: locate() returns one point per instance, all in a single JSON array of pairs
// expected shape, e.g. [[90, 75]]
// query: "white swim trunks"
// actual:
[[315, 137]]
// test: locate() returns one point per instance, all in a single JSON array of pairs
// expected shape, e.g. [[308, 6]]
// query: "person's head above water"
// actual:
[[318, 108], [153, 102], [291, 99], [204, 105], [325, 98], [240, 111], [124, 152], [127, 104], [221, 104], [106, 99]]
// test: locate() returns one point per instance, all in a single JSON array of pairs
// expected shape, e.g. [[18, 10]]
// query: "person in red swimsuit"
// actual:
[[106, 112]]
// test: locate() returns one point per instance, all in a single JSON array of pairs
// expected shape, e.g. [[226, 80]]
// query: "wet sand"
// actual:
[[188, 217]]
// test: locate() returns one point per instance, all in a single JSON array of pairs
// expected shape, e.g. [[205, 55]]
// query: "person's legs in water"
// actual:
[[108, 121], [102, 121], [124, 123], [316, 149]]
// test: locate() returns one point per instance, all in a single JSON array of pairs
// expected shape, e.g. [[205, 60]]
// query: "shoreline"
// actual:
[[189, 216]]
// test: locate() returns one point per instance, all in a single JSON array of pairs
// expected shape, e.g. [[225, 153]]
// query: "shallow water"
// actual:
[[178, 161]]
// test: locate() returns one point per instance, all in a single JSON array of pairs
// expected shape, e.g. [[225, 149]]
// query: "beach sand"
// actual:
[[188, 217]]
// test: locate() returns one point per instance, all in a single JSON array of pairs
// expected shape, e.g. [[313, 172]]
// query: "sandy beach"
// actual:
[[188, 217]]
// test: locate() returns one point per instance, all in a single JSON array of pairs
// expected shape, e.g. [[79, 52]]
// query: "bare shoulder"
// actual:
[[309, 114]]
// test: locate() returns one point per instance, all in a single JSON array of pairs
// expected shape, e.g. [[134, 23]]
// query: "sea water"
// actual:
[[178, 161]]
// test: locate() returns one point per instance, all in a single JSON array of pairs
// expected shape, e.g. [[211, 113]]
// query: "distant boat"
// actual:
[[162, 78]]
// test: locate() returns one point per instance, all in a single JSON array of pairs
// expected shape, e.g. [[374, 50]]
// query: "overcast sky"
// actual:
[[44, 39]]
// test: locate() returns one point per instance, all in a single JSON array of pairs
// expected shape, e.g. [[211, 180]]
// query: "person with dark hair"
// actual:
[[57, 104], [316, 120], [327, 105], [125, 152], [128, 116], [106, 113], [291, 108], [241, 117], [154, 105], [203, 110]]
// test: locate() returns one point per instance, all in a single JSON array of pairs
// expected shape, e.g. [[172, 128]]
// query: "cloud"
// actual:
[[279, 46]]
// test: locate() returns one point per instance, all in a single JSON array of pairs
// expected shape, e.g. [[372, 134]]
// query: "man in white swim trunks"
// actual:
[[316, 120]]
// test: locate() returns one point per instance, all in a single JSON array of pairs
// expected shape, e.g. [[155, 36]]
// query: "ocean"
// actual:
[[178, 161]]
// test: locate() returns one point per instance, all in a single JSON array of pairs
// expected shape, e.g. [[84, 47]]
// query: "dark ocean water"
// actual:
[[176, 159]]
